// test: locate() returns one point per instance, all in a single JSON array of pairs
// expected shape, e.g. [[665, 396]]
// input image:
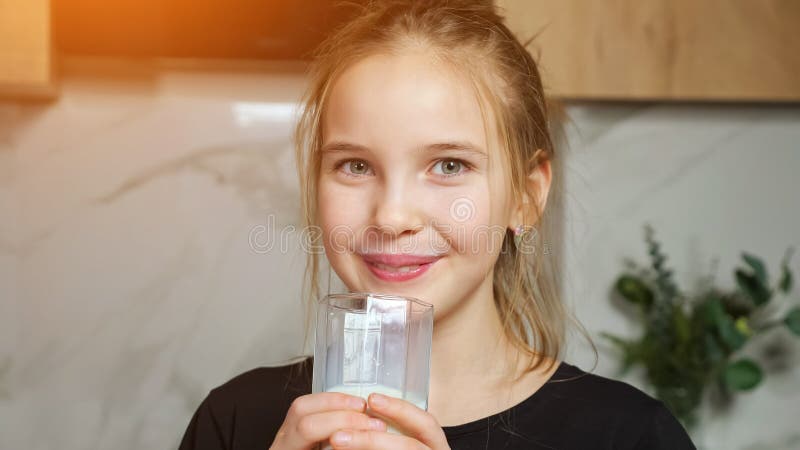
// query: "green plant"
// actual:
[[692, 342]]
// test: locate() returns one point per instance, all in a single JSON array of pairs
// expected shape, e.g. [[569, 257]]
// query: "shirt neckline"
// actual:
[[564, 372], [561, 372]]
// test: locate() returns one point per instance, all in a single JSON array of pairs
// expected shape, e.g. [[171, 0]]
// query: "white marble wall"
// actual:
[[129, 284], [713, 180]]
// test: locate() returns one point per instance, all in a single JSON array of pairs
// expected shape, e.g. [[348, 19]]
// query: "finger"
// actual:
[[374, 440], [320, 426], [325, 401], [413, 420]]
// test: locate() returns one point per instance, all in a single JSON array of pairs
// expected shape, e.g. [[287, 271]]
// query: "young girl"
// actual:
[[426, 160]]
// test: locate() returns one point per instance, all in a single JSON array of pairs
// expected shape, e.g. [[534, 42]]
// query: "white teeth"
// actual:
[[403, 269]]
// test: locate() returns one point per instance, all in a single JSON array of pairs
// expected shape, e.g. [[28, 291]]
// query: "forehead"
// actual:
[[402, 101]]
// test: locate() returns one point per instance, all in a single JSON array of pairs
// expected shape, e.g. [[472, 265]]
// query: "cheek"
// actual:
[[339, 215], [338, 205], [469, 223]]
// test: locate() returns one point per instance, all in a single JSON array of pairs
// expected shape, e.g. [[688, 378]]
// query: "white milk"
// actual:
[[363, 391]]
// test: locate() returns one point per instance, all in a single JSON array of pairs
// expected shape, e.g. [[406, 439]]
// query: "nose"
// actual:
[[398, 210]]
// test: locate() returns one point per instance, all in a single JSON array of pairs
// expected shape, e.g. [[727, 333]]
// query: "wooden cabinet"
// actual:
[[26, 63], [717, 50], [711, 50]]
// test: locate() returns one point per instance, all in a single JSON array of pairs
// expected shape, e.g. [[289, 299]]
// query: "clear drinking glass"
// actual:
[[368, 343]]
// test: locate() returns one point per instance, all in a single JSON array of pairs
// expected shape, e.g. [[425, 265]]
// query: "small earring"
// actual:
[[519, 234]]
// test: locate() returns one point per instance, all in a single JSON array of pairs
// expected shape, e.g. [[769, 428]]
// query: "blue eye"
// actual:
[[449, 167]]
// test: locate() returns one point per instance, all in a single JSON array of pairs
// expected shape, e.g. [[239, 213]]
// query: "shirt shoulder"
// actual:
[[247, 410], [264, 384], [605, 395], [618, 414]]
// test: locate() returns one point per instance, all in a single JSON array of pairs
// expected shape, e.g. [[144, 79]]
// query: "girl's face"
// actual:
[[404, 189]]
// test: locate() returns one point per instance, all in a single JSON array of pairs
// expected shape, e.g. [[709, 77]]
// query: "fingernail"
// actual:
[[378, 400], [357, 403], [341, 438], [377, 424]]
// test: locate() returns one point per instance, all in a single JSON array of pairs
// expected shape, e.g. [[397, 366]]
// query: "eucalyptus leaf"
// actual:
[[785, 283], [758, 267], [751, 285], [742, 375], [730, 334], [725, 327], [634, 290], [792, 321], [713, 311]]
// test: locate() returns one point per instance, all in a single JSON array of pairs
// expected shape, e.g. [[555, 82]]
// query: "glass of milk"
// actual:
[[369, 343]]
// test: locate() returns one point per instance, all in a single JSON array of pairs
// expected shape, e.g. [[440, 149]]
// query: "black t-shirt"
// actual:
[[572, 410]]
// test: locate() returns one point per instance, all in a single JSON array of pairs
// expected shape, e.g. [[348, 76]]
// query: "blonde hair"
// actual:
[[469, 36]]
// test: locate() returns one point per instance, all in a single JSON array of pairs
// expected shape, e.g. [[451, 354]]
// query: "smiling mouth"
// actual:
[[398, 267], [403, 269]]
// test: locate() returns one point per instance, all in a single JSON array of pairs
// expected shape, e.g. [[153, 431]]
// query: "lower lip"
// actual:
[[399, 276]]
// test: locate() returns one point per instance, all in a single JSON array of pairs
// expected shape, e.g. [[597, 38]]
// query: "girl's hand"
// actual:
[[312, 418], [421, 428]]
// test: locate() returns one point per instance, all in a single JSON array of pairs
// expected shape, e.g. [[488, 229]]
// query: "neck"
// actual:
[[468, 341], [470, 351]]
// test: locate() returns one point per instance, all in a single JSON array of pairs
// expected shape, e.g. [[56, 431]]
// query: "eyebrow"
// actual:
[[459, 146]]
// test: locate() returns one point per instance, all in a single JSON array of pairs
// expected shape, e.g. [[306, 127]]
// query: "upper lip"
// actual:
[[399, 259]]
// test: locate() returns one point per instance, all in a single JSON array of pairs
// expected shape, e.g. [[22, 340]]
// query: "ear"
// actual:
[[534, 198]]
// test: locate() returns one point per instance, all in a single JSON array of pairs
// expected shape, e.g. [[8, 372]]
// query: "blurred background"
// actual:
[[147, 195]]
